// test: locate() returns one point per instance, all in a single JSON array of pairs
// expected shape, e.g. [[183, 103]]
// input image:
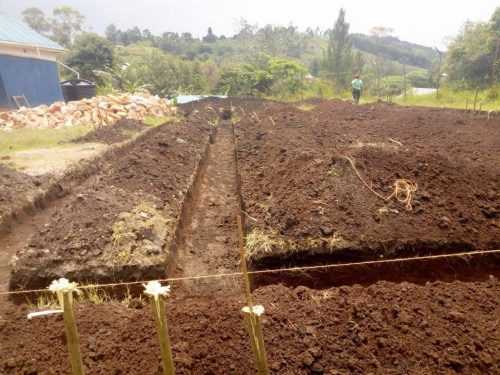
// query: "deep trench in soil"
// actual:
[[208, 239], [208, 242]]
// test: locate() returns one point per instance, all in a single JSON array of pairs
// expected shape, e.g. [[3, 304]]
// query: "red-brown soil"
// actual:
[[386, 328], [288, 171], [299, 186], [15, 186], [77, 239], [118, 132]]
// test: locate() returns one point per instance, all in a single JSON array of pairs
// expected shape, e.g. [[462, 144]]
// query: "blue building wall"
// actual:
[[37, 80]]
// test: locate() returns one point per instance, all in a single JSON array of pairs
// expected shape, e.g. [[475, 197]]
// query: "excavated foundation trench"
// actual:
[[205, 241]]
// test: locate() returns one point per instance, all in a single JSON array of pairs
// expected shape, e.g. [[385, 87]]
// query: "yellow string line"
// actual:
[[399, 185], [277, 270]]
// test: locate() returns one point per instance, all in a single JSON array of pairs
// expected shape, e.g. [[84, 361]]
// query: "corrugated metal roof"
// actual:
[[17, 32]]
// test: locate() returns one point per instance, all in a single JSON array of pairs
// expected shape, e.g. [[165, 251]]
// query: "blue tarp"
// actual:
[[182, 99]]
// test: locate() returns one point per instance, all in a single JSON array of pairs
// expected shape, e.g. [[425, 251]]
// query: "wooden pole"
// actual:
[[475, 99], [438, 82], [244, 266], [163, 336], [155, 292], [494, 64], [71, 334], [404, 75], [254, 327]]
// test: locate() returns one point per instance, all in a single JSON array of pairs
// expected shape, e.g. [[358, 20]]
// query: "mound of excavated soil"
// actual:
[[303, 194], [14, 186], [117, 132], [123, 221]]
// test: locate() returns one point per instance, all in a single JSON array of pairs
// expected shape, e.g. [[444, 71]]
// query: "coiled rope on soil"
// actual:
[[403, 189], [277, 270]]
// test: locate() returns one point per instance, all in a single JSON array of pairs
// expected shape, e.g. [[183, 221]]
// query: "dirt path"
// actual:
[[209, 240]]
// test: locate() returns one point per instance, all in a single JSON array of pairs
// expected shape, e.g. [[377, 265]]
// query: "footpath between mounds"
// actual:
[[438, 328]]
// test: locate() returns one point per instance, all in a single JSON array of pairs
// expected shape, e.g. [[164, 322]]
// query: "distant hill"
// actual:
[[397, 50]]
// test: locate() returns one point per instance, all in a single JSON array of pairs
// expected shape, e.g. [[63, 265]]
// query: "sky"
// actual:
[[427, 22]]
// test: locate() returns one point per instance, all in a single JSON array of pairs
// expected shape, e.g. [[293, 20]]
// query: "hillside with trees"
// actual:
[[277, 61]]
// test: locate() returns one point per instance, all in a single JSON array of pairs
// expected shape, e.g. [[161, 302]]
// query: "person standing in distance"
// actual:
[[357, 87]]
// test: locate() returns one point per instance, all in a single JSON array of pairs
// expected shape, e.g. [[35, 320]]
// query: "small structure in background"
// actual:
[[28, 65]]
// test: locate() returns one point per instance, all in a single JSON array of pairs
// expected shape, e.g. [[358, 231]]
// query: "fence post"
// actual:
[[439, 72], [475, 99], [155, 291], [64, 290]]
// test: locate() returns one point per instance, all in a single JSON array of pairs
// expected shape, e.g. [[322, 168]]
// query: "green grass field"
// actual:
[[453, 99], [25, 139]]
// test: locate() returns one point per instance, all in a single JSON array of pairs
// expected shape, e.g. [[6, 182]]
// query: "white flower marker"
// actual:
[[64, 290], [155, 292], [253, 320]]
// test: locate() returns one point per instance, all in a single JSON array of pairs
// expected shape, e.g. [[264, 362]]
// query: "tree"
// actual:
[[338, 59], [113, 34], [66, 25], [91, 52], [210, 37], [419, 78], [471, 55], [36, 19], [379, 32]]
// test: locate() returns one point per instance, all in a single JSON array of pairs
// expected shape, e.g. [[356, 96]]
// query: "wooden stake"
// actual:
[[254, 327], [155, 292], [163, 336], [244, 267], [64, 290], [475, 99], [71, 334]]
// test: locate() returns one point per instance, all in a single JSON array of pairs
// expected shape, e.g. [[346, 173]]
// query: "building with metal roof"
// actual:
[[28, 66]]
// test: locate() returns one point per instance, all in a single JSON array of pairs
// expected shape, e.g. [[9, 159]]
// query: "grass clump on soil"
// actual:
[[25, 139], [259, 243], [43, 301], [157, 121], [143, 231], [306, 107], [315, 243]]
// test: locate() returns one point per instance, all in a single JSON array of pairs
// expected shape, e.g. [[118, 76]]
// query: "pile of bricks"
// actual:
[[97, 111]]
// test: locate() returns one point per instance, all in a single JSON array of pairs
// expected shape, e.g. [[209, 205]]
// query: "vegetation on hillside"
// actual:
[[273, 61]]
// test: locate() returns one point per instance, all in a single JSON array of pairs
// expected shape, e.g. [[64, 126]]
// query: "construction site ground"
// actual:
[[312, 182]]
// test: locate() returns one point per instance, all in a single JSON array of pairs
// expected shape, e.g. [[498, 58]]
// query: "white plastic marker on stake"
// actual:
[[155, 292], [64, 290], [44, 313]]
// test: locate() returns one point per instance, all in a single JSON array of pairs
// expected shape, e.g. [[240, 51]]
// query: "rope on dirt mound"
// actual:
[[403, 190], [277, 270]]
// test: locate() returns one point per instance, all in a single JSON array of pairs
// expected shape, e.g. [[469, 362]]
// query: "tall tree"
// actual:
[[113, 34], [91, 52], [472, 56], [338, 58], [66, 25], [210, 37], [36, 19], [377, 33]]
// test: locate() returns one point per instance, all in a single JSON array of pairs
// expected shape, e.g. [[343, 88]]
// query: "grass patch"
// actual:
[[306, 107], [157, 121], [453, 99], [25, 139]]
